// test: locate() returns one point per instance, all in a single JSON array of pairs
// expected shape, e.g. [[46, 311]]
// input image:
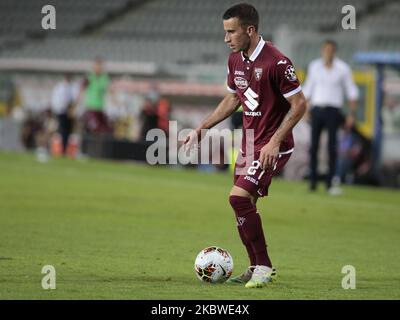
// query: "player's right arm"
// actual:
[[229, 104]]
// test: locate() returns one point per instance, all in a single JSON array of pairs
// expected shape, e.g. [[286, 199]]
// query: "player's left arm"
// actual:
[[269, 153]]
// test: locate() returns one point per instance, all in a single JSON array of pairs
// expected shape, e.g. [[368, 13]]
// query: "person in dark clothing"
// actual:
[[62, 101], [328, 80]]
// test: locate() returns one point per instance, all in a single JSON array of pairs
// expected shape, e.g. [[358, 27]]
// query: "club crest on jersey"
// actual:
[[258, 73], [290, 74], [241, 83]]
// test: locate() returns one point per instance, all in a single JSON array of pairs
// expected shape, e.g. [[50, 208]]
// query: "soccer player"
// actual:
[[263, 81]]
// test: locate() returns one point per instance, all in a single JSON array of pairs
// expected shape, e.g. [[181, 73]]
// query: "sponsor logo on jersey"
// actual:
[[281, 62], [258, 73], [239, 73], [252, 113], [241, 83], [252, 180], [290, 74], [251, 99]]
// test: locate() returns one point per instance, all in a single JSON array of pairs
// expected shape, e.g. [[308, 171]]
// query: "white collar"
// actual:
[[256, 51]]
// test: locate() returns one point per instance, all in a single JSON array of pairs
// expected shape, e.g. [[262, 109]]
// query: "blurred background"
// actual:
[[164, 60]]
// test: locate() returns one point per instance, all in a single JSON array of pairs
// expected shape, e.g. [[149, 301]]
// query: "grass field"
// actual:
[[129, 231]]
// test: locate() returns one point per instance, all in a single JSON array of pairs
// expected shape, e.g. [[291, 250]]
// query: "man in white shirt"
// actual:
[[329, 79]]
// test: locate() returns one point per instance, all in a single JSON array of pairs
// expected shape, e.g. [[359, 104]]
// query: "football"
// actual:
[[213, 265]]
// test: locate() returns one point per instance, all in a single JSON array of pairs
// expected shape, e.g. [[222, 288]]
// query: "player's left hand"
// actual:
[[269, 155]]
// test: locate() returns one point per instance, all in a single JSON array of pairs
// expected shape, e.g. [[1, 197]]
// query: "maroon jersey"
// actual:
[[263, 82]]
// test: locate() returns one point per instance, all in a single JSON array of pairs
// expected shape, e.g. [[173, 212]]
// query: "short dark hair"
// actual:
[[330, 42], [245, 12]]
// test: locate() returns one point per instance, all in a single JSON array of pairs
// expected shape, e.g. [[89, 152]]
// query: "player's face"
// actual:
[[235, 36]]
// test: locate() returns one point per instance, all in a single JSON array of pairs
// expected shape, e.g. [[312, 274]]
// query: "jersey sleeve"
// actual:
[[286, 78], [230, 83]]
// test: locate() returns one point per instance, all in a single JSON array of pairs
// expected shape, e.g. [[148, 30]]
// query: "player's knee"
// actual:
[[238, 202]]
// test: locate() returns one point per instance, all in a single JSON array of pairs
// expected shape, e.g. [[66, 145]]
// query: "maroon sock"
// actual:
[[249, 223], [248, 246]]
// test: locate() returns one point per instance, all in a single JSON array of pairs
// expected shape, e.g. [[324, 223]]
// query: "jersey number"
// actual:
[[255, 165]]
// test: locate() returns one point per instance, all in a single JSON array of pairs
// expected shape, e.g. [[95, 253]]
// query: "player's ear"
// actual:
[[250, 30]]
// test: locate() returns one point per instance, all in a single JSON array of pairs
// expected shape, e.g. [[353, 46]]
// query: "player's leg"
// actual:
[[242, 235], [63, 129], [245, 276], [316, 129], [333, 123], [249, 223], [253, 182], [251, 232]]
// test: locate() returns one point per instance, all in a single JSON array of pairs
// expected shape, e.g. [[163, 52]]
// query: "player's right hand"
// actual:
[[269, 155]]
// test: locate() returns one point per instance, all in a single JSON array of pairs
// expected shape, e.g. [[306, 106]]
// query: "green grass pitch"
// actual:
[[131, 231]]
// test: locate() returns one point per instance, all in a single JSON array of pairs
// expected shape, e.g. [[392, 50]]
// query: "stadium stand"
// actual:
[[184, 32]]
